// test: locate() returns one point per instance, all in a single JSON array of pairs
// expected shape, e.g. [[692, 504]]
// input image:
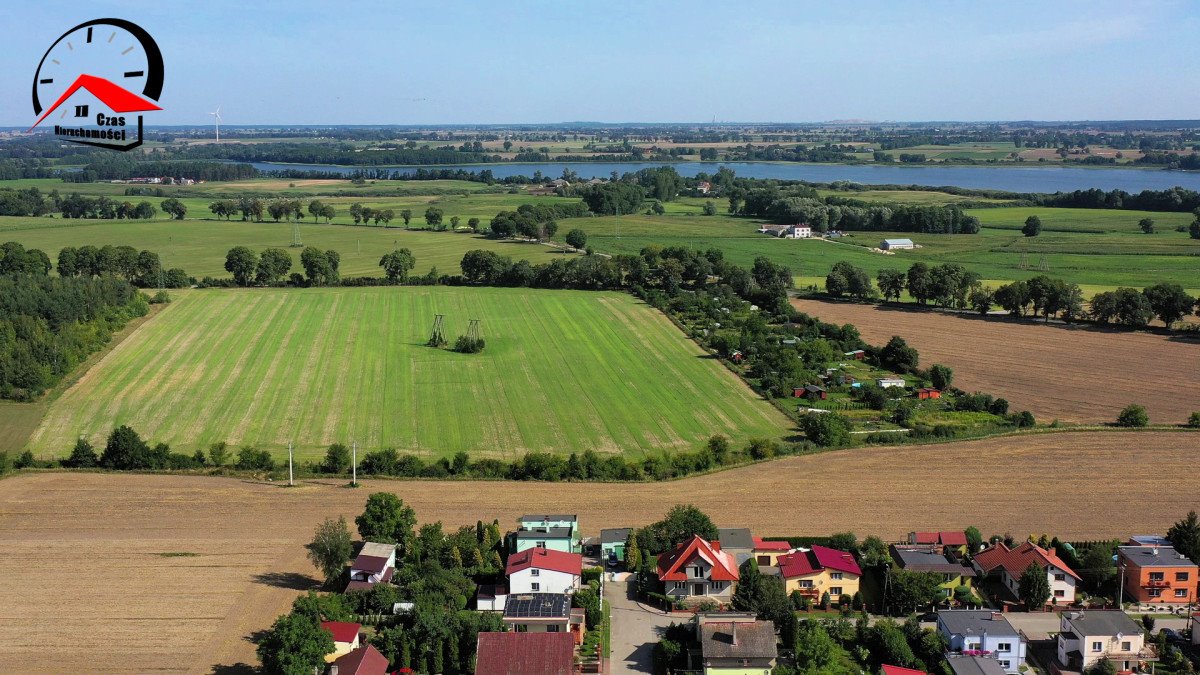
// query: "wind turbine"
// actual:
[[217, 121]]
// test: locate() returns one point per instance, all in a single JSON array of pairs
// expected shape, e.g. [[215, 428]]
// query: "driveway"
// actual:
[[635, 630]]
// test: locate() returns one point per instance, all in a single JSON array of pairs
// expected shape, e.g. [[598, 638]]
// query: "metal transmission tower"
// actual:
[[296, 243], [473, 330], [438, 338], [1024, 261], [1042, 265]]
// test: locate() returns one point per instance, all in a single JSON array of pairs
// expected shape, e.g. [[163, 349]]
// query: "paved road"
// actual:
[[635, 630]]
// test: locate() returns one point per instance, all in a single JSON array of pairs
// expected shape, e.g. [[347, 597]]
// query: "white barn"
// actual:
[[894, 244]]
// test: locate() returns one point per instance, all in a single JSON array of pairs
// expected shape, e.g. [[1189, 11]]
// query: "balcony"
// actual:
[[1156, 583]]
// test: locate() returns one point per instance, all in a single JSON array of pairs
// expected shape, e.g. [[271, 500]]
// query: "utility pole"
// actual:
[[290, 476], [1121, 592], [354, 463]]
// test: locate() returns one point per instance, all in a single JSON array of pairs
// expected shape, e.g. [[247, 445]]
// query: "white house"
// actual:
[[983, 633], [886, 382], [893, 244], [1010, 564], [1087, 637], [375, 563], [543, 570], [797, 232]]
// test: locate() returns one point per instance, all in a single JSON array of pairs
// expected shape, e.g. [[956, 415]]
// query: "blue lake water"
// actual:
[[1010, 178]]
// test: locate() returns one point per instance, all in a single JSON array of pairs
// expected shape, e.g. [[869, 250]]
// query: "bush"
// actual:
[[160, 298], [1194, 420], [1023, 419], [468, 345], [250, 459], [1133, 415]]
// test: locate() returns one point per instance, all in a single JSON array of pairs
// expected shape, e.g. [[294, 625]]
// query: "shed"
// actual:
[[891, 381], [893, 244], [857, 355], [928, 392], [811, 392]]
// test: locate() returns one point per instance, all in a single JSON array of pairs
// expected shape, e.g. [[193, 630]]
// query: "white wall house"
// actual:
[[983, 633], [1009, 564], [539, 570], [1085, 638]]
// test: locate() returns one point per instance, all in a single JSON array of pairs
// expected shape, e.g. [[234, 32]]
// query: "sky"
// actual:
[[474, 62]]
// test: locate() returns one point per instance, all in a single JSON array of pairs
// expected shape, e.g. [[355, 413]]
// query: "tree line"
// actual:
[[801, 204]]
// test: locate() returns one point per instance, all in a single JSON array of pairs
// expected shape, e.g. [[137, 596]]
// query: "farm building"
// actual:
[[736, 356], [887, 382], [810, 391], [704, 187], [928, 392], [896, 244], [857, 355], [787, 231]]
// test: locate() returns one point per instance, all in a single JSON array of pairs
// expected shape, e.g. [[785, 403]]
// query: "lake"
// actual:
[[1010, 178]]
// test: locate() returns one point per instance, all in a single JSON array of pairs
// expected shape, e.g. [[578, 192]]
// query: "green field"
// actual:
[[563, 371]]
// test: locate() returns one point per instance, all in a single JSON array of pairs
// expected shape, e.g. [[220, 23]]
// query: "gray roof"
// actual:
[[538, 606], [735, 537], [962, 664], [544, 533], [924, 560], [1102, 622], [537, 517], [1155, 556], [615, 535], [976, 622], [899, 241], [755, 640]]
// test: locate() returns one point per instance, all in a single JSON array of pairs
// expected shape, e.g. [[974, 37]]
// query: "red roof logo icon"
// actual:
[[117, 99]]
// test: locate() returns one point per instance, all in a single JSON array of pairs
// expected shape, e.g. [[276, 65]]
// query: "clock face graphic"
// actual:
[[119, 67]]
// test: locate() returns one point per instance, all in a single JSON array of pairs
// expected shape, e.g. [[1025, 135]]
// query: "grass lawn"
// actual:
[[563, 371]]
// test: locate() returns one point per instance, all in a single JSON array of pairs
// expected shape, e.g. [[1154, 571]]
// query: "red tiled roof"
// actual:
[[950, 538], [370, 563], [545, 559], [525, 654], [358, 586], [670, 564], [804, 563], [343, 631], [897, 670], [1016, 560], [760, 545], [365, 660]]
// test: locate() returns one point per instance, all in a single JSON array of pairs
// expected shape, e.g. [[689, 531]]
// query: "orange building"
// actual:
[[1157, 574]]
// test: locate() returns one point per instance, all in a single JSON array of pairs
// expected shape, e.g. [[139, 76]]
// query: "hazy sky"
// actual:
[[528, 62]]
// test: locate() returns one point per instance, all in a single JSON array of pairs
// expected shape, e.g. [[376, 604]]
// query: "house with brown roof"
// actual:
[[366, 660], [696, 570], [375, 563], [1009, 564], [820, 570], [525, 654], [735, 642]]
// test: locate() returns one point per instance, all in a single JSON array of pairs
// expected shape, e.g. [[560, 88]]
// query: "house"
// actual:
[[525, 654], [737, 542], [345, 638], [773, 230], [954, 571], [557, 532], [820, 570], [558, 183], [766, 553], [1087, 637], [966, 664], [365, 660], [928, 392], [735, 642], [544, 613], [491, 597], [612, 543], [375, 563], [890, 381], [1154, 574], [1148, 540], [949, 540], [983, 633], [894, 244], [1010, 564], [697, 570], [897, 670], [857, 354], [796, 232], [543, 570], [704, 187], [811, 392]]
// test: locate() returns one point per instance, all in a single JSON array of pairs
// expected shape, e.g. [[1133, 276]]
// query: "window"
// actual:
[[1004, 665], [1154, 592], [1126, 646], [836, 576], [535, 572], [764, 561], [1181, 576], [1058, 576], [552, 628], [835, 591], [806, 583], [535, 587], [1060, 593], [696, 572], [971, 646], [1156, 576], [1004, 647], [1181, 592], [540, 544], [679, 585], [1097, 646]]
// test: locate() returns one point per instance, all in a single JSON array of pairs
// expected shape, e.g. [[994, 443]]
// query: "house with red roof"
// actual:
[[820, 570], [544, 570], [697, 570], [525, 654], [952, 540], [897, 670], [766, 553], [365, 660], [345, 638], [375, 563], [1008, 564]]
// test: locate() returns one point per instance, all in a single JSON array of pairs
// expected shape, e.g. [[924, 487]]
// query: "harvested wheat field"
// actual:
[[141, 573], [1072, 373]]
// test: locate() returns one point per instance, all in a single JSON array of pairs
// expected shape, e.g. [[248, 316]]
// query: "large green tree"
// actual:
[[388, 520], [295, 645], [1034, 587], [330, 548], [241, 262], [397, 264], [1169, 302], [1185, 536]]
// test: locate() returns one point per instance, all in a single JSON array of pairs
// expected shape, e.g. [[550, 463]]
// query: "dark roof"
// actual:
[[491, 591], [525, 654], [925, 560], [370, 563], [545, 559], [976, 622], [537, 517], [538, 606], [755, 640], [544, 533], [1102, 622], [963, 664], [616, 535], [365, 660], [1155, 556], [735, 537]]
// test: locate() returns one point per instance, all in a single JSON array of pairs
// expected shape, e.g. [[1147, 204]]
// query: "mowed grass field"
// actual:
[[1072, 373], [563, 371], [247, 539]]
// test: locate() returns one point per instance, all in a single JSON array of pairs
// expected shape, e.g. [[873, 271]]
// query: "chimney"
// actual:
[[996, 616], [733, 631], [333, 670]]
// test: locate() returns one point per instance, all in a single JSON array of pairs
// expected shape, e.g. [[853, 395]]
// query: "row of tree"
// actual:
[[140, 268]]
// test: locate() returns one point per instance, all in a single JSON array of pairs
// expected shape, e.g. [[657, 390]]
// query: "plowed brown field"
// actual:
[[85, 584], [1072, 373]]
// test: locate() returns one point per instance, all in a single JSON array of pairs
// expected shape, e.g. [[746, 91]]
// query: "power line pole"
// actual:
[[354, 463], [290, 475]]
